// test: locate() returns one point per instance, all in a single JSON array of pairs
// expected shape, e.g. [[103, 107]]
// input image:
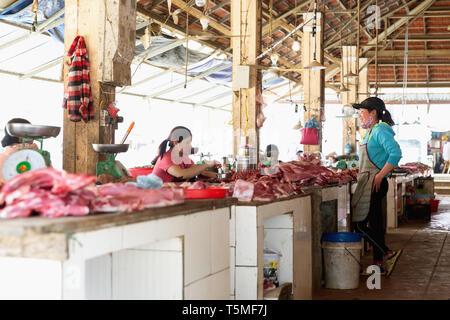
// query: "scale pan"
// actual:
[[110, 148], [32, 131]]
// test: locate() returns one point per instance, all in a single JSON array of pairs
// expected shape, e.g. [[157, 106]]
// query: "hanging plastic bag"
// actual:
[[310, 133]]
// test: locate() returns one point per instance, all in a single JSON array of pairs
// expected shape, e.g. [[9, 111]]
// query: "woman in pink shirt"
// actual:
[[174, 165]]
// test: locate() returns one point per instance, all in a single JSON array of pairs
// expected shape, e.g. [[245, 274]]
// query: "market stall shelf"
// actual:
[[161, 253], [283, 225]]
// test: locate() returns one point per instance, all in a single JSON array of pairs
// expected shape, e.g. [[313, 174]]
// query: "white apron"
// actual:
[[363, 193]]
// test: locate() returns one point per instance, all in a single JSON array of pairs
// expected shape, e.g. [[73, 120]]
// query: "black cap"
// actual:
[[372, 103]]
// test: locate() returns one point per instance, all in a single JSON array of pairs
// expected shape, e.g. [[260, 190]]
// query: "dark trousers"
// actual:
[[374, 233]]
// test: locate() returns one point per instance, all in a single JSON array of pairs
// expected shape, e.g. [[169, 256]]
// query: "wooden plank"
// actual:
[[34, 245], [263, 203], [411, 53], [214, 24], [69, 128], [89, 19], [117, 41]]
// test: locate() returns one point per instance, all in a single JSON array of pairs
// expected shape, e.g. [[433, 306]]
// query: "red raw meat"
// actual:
[[246, 175], [54, 194], [59, 181], [123, 197], [263, 191]]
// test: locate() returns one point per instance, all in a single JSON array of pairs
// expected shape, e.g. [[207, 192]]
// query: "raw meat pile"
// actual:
[[114, 197], [413, 167], [250, 185], [310, 157], [53, 193]]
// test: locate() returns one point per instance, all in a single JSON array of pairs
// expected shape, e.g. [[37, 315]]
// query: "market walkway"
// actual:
[[423, 270]]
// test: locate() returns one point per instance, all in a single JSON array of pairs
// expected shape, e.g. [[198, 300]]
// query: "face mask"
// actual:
[[368, 123]]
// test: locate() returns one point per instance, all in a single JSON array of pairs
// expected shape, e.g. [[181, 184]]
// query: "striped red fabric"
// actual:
[[78, 95]]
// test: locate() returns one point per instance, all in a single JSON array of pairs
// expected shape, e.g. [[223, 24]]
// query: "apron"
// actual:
[[363, 193]]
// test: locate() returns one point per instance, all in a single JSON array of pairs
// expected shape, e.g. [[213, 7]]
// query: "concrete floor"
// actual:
[[422, 271]]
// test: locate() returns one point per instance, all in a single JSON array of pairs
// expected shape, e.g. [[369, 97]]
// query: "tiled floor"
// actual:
[[422, 271]]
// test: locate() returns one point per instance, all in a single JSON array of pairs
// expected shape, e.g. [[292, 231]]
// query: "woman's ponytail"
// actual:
[[161, 150], [177, 134], [386, 117]]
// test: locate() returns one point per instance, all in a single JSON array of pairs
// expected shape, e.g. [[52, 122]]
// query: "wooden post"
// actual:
[[108, 32], [313, 80], [350, 97], [246, 21]]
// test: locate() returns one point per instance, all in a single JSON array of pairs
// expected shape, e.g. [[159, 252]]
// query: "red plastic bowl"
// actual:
[[205, 193], [134, 172]]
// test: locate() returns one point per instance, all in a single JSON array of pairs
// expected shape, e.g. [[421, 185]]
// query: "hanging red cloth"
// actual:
[[78, 96]]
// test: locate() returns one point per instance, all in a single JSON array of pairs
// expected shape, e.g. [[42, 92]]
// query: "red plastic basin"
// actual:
[[434, 205], [134, 172], [205, 193]]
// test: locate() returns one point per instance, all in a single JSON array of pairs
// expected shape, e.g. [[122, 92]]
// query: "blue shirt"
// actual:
[[382, 147]]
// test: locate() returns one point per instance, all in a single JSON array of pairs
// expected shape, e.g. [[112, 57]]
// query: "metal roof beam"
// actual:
[[219, 96], [41, 68], [152, 77], [50, 23], [203, 74], [150, 53]]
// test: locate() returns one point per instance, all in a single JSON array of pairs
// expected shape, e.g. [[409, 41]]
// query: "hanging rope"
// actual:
[[357, 52], [376, 51], [34, 8], [187, 50]]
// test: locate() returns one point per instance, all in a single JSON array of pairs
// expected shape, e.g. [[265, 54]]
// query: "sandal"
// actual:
[[392, 261], [365, 273]]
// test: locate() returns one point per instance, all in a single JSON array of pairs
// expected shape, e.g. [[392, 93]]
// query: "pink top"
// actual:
[[164, 163]]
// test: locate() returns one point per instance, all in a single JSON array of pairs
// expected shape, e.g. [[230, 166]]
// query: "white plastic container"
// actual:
[[342, 266]]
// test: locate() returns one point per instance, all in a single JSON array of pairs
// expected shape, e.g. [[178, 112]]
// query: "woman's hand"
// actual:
[[377, 182], [213, 164]]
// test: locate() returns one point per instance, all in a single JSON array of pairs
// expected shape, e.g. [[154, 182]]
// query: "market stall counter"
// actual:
[[173, 252], [282, 225], [395, 198]]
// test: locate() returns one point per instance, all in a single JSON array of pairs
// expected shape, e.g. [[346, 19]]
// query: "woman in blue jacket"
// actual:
[[379, 154]]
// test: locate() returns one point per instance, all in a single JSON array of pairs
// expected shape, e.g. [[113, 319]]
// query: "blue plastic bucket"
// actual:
[[341, 237]]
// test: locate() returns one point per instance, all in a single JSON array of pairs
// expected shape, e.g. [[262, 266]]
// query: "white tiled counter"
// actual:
[[283, 225], [178, 252]]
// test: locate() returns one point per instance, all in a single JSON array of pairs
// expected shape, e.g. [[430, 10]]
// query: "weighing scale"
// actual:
[[24, 160], [111, 166]]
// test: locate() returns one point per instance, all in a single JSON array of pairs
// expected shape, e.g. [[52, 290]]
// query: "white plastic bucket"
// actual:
[[342, 264]]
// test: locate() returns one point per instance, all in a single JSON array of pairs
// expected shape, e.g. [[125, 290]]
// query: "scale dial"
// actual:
[[22, 161]]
